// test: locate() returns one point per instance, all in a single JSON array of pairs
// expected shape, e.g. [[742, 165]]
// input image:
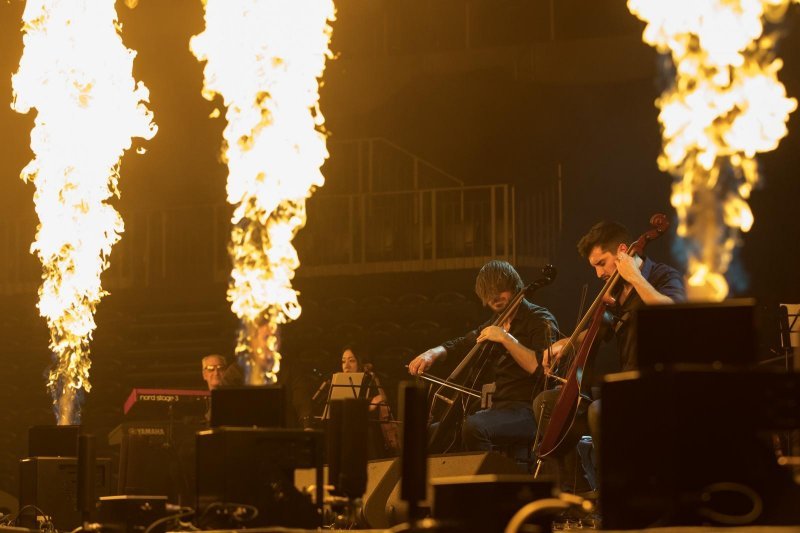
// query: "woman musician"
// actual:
[[382, 434]]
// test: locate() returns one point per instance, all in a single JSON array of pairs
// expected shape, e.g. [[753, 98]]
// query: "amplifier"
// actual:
[[51, 484], [255, 467], [157, 457], [130, 514]]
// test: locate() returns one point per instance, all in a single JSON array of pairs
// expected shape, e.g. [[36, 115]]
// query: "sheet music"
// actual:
[[344, 385]]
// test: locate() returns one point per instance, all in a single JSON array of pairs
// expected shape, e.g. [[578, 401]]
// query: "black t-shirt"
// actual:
[[535, 328]]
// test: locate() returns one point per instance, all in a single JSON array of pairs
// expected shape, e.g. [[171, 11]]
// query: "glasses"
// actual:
[[213, 368]]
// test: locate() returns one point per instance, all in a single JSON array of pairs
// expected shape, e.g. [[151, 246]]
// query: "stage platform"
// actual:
[[687, 529]]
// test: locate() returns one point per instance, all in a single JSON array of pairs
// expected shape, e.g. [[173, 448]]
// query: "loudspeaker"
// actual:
[[695, 447], [442, 466], [158, 458], [382, 477], [262, 406], [131, 514], [254, 467], [721, 333], [486, 503], [53, 441], [51, 484], [382, 507]]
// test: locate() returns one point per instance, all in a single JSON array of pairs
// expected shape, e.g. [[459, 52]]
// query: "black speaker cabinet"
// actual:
[[721, 333], [158, 458], [382, 478], [695, 447], [51, 484], [131, 514], [447, 466], [486, 503], [53, 441], [255, 467], [261, 406]]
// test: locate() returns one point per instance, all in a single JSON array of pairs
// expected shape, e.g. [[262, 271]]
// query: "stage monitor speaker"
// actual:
[[486, 503], [53, 441], [251, 406], [382, 477], [51, 484], [382, 506], [697, 334], [131, 514], [255, 467], [439, 466], [695, 447]]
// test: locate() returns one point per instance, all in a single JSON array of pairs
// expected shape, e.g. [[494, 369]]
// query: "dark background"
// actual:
[[540, 84]]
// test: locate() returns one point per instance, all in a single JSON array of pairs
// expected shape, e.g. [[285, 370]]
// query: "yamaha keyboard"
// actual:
[[166, 404]]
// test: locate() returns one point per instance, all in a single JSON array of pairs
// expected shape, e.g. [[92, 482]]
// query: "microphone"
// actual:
[[321, 388]]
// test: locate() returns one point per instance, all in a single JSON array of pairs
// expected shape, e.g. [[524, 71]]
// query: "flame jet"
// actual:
[[77, 74], [726, 106], [264, 57]]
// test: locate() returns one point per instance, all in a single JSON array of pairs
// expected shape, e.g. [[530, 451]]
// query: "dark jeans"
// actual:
[[509, 426], [571, 475]]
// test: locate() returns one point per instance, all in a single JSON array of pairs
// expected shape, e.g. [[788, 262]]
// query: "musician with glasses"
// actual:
[[514, 360], [214, 366]]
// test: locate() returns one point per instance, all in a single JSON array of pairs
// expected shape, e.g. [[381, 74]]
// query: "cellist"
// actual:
[[514, 359], [644, 282]]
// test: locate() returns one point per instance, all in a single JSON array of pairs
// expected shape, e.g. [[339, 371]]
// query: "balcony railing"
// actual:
[[426, 229]]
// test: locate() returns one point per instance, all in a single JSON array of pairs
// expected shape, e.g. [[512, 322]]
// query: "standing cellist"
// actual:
[[644, 282], [514, 357]]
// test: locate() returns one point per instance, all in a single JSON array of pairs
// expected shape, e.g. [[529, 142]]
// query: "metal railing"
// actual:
[[408, 230], [427, 229]]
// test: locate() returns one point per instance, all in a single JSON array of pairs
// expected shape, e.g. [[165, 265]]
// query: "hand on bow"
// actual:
[[423, 361], [551, 355], [493, 334]]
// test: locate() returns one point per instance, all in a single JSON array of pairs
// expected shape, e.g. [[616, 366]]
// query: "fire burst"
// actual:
[[264, 57], [78, 75], [726, 106]]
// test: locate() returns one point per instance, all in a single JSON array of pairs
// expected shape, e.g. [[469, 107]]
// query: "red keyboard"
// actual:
[[160, 403]]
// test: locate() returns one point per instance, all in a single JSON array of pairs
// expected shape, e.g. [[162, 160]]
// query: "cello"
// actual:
[[389, 430], [449, 402], [565, 409]]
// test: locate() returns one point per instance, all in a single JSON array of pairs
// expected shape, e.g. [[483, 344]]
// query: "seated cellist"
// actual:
[[515, 352], [644, 282]]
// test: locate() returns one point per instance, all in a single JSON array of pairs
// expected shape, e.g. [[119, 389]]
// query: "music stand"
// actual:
[[344, 385], [789, 317]]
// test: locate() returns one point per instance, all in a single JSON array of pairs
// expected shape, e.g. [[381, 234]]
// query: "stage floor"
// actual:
[[673, 529]]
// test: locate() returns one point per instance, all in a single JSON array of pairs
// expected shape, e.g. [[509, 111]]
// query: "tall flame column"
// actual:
[[264, 57], [76, 72], [726, 106]]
